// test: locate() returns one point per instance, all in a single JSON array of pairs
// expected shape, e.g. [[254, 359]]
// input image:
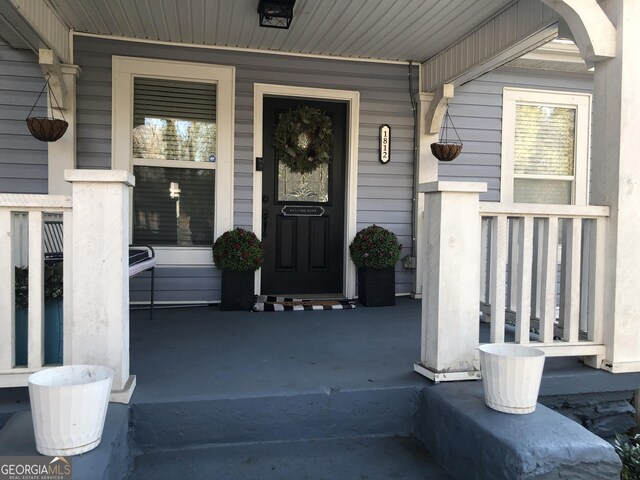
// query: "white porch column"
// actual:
[[451, 302], [100, 322], [615, 181]]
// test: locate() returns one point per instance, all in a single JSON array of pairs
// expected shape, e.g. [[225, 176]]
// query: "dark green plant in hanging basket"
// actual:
[[303, 138]]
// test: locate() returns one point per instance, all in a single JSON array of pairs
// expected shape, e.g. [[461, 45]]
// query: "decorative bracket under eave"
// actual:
[[438, 108], [592, 30], [51, 66]]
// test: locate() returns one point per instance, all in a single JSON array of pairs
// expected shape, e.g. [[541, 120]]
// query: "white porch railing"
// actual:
[[96, 276], [35, 207], [543, 276], [536, 271]]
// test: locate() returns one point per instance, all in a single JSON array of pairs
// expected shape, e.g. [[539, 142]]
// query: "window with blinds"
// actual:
[[173, 206], [174, 120], [544, 157], [174, 155]]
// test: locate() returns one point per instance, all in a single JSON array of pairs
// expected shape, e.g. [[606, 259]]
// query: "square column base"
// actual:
[[438, 377], [124, 395]]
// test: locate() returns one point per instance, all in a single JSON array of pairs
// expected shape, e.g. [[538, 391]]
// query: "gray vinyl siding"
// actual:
[[476, 111], [23, 159], [384, 191]]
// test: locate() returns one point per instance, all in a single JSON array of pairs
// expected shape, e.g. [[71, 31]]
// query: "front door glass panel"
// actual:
[[303, 187]]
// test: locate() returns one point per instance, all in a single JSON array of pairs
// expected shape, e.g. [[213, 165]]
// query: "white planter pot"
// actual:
[[69, 406], [511, 376]]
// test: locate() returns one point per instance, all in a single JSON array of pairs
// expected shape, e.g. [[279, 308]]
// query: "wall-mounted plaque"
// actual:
[[385, 143], [302, 211]]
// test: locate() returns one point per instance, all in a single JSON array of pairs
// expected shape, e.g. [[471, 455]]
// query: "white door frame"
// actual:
[[352, 99]]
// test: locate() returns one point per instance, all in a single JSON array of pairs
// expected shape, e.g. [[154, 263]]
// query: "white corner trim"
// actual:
[[352, 98]]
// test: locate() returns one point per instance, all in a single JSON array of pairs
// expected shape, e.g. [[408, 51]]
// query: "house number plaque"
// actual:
[[302, 211], [385, 143]]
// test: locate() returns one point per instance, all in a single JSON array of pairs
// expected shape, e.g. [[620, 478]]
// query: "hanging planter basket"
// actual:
[[47, 129], [447, 150]]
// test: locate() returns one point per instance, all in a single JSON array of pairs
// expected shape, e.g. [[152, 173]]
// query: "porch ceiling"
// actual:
[[369, 29]]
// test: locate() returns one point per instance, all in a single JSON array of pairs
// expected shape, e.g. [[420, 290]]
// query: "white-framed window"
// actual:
[[173, 129], [545, 146]]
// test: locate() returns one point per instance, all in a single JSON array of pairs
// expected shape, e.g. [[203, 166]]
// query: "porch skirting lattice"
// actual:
[[266, 303]]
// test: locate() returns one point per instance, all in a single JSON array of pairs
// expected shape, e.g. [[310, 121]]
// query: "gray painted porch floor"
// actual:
[[250, 393], [202, 353]]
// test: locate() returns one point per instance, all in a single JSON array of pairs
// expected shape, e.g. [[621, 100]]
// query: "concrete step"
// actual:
[[327, 414], [369, 458]]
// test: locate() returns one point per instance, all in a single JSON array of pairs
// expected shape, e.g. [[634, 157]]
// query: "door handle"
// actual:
[[265, 221]]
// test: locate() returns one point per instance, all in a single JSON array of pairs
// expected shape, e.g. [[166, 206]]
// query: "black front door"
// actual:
[[303, 213]]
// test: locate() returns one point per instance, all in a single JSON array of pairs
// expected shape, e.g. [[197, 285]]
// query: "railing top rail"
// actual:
[[11, 201], [543, 210]]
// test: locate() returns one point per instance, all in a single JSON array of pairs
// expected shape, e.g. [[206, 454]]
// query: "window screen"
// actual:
[[173, 206], [174, 120]]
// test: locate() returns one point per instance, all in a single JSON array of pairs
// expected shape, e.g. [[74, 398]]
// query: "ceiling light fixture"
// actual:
[[276, 13]]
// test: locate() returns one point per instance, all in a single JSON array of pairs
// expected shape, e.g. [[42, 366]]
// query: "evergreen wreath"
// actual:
[[303, 139]]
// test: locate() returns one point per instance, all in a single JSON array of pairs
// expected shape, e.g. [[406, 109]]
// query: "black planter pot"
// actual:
[[237, 290], [377, 287]]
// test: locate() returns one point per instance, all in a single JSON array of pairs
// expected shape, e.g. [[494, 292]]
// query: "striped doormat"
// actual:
[[266, 303]]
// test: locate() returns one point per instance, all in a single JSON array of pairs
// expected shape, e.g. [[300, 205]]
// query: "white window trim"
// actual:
[[124, 69], [581, 102]]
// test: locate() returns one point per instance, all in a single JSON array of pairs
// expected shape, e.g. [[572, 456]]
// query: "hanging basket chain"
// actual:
[[447, 120], [447, 150], [50, 97]]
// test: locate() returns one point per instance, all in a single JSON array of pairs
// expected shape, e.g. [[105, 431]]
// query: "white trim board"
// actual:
[[124, 69], [241, 49], [352, 99]]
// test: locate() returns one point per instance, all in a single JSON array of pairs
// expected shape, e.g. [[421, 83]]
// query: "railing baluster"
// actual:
[[498, 272], [7, 289], [67, 266], [523, 281], [596, 281], [547, 290], [571, 300], [35, 332], [484, 265]]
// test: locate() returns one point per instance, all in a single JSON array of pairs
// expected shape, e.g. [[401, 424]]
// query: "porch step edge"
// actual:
[[331, 414]]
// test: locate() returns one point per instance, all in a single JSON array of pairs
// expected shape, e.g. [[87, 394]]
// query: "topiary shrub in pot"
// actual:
[[238, 253], [375, 251]]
